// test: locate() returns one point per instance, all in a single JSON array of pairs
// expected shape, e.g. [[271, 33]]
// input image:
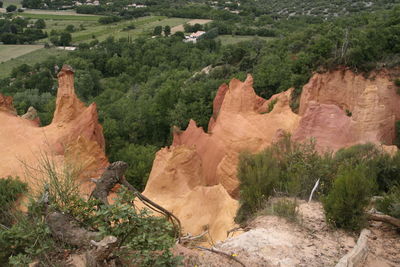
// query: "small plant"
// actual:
[[349, 113], [397, 82], [272, 104], [390, 204], [344, 205], [10, 190], [286, 208]]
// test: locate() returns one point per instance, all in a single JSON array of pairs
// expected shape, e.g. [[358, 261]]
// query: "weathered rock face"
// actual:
[[328, 100], [74, 136], [6, 104], [196, 178], [32, 115]]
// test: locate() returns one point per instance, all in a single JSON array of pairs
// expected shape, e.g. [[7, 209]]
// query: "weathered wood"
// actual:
[[110, 177], [384, 218], [66, 229], [356, 257]]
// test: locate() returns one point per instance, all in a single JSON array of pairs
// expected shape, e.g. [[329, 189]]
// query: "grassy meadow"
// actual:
[[8, 52], [30, 58]]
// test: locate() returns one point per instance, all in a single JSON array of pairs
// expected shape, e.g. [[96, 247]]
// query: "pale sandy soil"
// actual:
[[273, 241]]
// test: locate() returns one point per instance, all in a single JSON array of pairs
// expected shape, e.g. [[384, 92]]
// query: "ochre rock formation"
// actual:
[[74, 137], [6, 104], [32, 115], [196, 178], [340, 109]]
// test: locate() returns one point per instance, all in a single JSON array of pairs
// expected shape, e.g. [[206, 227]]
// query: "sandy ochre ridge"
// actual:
[[196, 176]]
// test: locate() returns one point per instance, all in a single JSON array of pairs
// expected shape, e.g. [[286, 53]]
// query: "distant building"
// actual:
[[194, 36]]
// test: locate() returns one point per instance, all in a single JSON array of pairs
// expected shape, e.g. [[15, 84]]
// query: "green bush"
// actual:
[[345, 203], [258, 175], [286, 168], [10, 190], [390, 204]]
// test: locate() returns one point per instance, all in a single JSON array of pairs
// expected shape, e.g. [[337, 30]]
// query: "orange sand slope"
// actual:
[[196, 178], [74, 133]]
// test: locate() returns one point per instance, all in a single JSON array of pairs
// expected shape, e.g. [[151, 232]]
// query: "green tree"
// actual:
[[40, 24], [65, 39], [11, 8], [157, 30], [167, 30]]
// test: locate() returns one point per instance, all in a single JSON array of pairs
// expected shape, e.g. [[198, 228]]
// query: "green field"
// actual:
[[144, 25], [14, 55], [60, 17], [8, 52], [29, 58], [229, 39]]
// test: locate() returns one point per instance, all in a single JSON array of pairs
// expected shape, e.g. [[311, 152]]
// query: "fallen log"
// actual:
[[384, 218]]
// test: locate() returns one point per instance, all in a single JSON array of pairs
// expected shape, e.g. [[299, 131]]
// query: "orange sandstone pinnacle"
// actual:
[[74, 135]]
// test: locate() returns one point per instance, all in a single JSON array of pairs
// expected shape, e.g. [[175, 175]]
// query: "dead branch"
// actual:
[[229, 256], [384, 218], [66, 229], [189, 237]]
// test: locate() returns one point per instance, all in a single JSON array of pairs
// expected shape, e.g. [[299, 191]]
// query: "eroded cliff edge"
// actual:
[[74, 136], [196, 176]]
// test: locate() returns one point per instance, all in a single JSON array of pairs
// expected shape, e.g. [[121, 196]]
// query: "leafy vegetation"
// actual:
[[144, 240], [345, 204], [347, 180], [10, 190], [390, 204]]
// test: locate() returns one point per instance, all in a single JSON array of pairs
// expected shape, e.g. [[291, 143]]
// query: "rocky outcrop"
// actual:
[[196, 177], [74, 137], [6, 104], [340, 109], [32, 115], [199, 171]]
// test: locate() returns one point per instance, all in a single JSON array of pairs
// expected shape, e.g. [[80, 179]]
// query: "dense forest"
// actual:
[[144, 87]]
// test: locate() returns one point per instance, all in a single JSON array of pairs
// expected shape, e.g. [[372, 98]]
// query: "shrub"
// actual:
[[390, 204], [286, 168], [397, 131], [285, 208], [272, 104], [397, 82], [344, 205], [11, 8], [10, 190], [258, 175]]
